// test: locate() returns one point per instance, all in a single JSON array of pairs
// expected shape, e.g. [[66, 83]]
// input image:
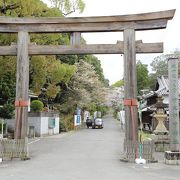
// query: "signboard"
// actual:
[[77, 120], [86, 115], [77, 117], [2, 128], [52, 123]]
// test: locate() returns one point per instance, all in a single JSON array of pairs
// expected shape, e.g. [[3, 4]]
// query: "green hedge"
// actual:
[[37, 106]]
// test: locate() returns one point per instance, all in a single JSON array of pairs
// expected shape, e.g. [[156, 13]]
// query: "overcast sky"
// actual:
[[113, 64]]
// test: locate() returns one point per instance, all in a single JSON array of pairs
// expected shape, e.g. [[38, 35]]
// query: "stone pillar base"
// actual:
[[172, 158], [132, 151]]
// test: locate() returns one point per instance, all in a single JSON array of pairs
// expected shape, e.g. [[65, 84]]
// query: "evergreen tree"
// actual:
[[142, 77]]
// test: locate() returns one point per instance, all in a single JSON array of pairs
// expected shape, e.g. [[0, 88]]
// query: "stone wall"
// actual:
[[43, 123]]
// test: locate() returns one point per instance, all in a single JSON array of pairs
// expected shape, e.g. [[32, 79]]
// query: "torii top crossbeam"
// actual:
[[144, 21]]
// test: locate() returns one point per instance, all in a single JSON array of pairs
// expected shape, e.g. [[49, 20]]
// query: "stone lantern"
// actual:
[[160, 116], [161, 138]]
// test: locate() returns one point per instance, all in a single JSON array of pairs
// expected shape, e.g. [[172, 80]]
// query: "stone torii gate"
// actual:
[[128, 24]]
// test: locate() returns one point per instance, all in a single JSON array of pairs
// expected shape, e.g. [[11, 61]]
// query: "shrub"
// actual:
[[68, 122], [62, 126], [37, 106], [7, 111]]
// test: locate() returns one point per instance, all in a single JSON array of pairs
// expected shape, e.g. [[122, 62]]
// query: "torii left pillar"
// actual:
[[22, 86]]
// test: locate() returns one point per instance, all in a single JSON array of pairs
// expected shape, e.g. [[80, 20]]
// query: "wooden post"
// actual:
[[130, 80], [75, 38], [22, 86], [173, 105]]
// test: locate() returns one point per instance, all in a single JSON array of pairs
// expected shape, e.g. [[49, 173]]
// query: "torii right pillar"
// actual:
[[130, 95], [130, 84]]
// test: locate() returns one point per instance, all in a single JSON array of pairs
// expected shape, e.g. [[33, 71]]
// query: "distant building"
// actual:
[[32, 97]]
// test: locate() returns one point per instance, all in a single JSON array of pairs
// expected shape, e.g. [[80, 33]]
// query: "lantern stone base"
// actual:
[[161, 142], [172, 158]]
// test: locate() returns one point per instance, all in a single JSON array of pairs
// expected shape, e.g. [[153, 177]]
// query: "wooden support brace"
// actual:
[[76, 48]]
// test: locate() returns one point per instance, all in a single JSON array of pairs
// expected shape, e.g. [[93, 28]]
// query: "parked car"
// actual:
[[97, 123], [88, 122]]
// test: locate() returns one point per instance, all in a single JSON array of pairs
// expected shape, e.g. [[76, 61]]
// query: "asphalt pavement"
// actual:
[[86, 154]]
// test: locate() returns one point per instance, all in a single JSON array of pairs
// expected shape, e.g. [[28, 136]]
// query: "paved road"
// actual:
[[88, 154]]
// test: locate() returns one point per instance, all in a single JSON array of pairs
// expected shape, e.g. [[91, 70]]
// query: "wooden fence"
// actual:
[[132, 150], [14, 148]]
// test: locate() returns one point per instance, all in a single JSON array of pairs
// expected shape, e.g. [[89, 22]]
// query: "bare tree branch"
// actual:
[[70, 12]]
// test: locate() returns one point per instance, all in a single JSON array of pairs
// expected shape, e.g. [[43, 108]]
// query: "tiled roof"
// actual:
[[163, 89]]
